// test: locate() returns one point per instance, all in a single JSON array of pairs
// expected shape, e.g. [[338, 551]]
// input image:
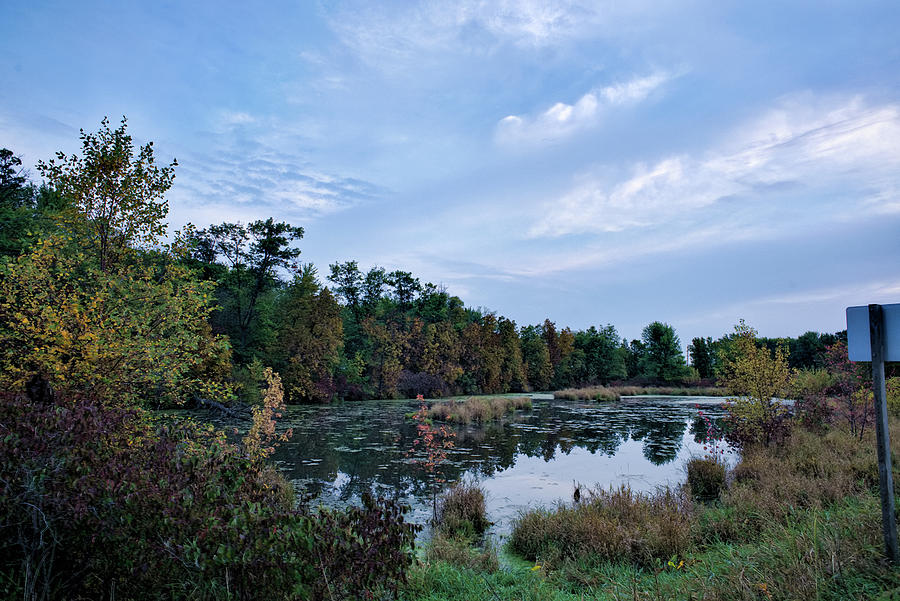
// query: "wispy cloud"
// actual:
[[240, 167], [411, 27], [803, 144], [387, 36], [562, 120]]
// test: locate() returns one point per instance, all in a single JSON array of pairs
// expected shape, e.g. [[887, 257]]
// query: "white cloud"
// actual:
[[634, 90], [562, 120], [801, 143]]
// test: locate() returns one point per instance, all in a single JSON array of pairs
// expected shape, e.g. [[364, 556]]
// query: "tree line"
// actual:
[[350, 334]]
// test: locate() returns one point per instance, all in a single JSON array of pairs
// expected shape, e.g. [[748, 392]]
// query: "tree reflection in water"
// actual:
[[337, 452]]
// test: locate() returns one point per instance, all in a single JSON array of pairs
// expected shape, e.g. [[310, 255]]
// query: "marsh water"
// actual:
[[531, 458]]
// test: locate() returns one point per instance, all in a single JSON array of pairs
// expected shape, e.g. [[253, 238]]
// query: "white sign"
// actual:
[[859, 345]]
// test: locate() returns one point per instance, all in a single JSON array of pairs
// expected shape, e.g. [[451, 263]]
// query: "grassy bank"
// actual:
[[614, 393], [796, 521], [477, 409]]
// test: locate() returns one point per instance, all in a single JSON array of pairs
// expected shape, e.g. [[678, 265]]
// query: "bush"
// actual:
[[461, 511], [810, 383], [99, 501], [614, 525], [706, 478]]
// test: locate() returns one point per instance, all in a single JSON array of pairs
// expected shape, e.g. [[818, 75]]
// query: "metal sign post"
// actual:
[[882, 346]]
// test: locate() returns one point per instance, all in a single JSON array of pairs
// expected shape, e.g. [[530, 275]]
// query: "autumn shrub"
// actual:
[[892, 386], [99, 501], [461, 511], [610, 525], [807, 383], [850, 391], [760, 379], [706, 478]]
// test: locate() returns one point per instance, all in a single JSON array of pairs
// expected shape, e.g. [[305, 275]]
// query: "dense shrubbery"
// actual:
[[101, 501]]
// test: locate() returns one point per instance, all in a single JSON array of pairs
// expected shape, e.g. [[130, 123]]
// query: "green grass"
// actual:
[[798, 521]]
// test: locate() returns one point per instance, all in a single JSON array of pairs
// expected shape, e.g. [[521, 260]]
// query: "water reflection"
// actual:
[[337, 452]]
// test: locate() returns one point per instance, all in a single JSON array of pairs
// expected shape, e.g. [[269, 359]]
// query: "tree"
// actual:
[[405, 287], [512, 368], [309, 338], [536, 357], [759, 378], [118, 197], [373, 287], [601, 359], [808, 351], [254, 254], [348, 284], [135, 336], [78, 316], [13, 180], [701, 356], [662, 359]]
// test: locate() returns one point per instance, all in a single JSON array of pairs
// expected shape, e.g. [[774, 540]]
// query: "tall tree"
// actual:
[[536, 357], [119, 197], [13, 179], [702, 357], [663, 359], [77, 316], [309, 338], [347, 280], [254, 253]]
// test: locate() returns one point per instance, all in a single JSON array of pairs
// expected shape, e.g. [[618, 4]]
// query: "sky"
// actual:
[[593, 163]]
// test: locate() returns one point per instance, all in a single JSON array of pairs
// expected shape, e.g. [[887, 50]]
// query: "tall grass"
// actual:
[[612, 525], [615, 393], [477, 409], [462, 512], [590, 393]]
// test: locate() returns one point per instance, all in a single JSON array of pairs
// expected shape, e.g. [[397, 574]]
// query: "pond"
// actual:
[[531, 458]]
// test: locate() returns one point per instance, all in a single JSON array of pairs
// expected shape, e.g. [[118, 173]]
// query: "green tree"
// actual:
[[702, 356], [512, 368], [536, 357], [14, 192], [309, 338], [254, 254], [118, 197], [662, 359], [347, 280]]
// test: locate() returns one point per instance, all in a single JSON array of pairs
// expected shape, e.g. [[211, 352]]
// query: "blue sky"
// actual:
[[590, 162]]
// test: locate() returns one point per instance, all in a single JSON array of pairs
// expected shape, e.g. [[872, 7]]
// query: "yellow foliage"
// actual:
[[260, 439], [760, 378], [137, 334]]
